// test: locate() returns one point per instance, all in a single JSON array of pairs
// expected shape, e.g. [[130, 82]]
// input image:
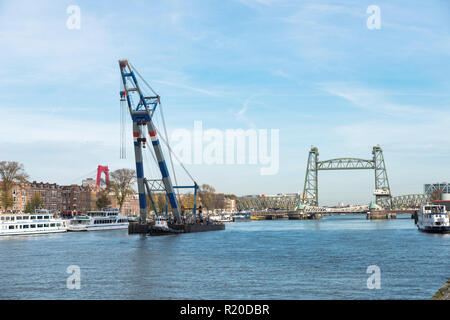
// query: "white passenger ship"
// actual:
[[108, 219], [40, 222], [433, 218]]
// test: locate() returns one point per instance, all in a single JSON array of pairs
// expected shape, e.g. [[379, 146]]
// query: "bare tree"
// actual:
[[102, 200], [11, 172], [207, 196], [122, 181], [436, 195], [34, 203], [160, 201]]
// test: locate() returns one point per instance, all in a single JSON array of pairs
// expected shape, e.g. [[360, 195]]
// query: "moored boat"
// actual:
[[433, 218], [242, 216], [221, 218], [107, 219], [257, 218], [40, 222]]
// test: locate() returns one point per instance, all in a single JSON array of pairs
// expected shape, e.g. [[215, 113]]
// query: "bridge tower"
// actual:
[[311, 187], [382, 192], [100, 170]]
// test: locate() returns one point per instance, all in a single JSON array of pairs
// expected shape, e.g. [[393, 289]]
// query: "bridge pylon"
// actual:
[[311, 187], [382, 192]]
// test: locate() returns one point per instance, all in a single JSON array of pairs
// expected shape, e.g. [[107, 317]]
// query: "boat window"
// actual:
[[26, 226], [46, 217], [40, 225], [7, 218], [19, 218], [11, 227], [39, 217], [59, 224], [2, 218], [52, 224], [46, 225], [25, 217], [32, 226]]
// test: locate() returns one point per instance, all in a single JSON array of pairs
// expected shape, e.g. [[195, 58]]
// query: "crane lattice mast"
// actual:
[[141, 115]]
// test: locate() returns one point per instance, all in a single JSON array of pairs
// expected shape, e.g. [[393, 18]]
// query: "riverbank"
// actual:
[[443, 293]]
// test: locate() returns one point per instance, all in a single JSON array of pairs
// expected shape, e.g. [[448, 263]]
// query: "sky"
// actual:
[[311, 69]]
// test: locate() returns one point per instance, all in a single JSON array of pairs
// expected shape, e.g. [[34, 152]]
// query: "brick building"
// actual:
[[51, 194], [66, 199], [19, 196]]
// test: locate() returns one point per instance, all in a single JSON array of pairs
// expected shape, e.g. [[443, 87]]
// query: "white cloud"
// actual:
[[375, 100]]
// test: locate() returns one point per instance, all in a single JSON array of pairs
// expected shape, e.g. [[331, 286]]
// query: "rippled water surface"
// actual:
[[283, 259]]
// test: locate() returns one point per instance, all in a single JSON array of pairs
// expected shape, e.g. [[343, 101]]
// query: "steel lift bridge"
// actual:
[[310, 199], [142, 111], [382, 190]]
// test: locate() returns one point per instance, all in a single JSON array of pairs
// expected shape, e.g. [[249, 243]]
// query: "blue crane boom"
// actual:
[[141, 115]]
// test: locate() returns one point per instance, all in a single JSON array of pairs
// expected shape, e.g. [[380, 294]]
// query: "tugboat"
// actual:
[[142, 107], [161, 228], [433, 218]]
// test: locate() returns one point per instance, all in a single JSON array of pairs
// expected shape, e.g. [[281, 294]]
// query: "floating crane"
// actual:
[[142, 113]]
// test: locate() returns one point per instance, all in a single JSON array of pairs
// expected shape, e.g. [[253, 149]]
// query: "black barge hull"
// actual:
[[136, 228]]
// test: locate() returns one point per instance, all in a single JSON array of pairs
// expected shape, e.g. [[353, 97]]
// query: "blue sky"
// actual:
[[311, 69]]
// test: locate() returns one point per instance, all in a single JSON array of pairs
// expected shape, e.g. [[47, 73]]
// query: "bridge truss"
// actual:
[[410, 201], [291, 203], [260, 203]]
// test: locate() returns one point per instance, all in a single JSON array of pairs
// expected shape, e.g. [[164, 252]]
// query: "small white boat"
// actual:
[[433, 218], [108, 219], [40, 222], [221, 218]]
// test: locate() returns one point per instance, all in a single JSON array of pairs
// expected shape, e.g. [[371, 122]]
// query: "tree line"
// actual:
[[207, 198], [13, 174], [121, 185]]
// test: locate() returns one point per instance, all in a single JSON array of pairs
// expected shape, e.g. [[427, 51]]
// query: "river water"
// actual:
[[324, 259]]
